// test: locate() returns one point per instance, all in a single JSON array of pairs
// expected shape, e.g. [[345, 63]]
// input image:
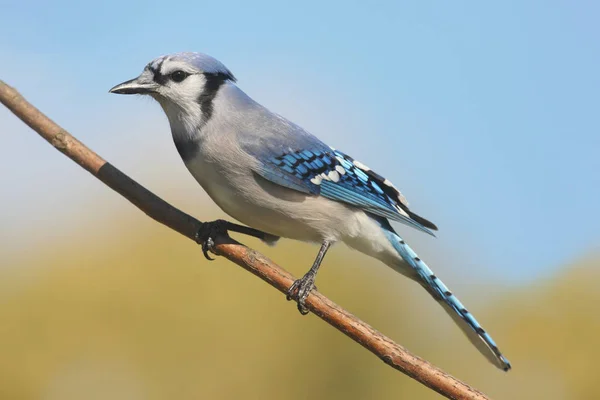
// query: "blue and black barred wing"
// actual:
[[332, 174]]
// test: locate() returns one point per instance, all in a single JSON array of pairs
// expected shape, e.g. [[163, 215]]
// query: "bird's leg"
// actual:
[[302, 287], [208, 232], [265, 237]]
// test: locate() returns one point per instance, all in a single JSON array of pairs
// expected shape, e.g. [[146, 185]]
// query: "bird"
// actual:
[[281, 181]]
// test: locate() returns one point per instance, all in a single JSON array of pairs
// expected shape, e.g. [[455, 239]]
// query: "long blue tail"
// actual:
[[469, 325]]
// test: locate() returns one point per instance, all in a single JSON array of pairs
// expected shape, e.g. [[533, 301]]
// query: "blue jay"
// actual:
[[281, 181]]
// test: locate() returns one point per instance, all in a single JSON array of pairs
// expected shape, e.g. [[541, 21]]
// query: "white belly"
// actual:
[[269, 207], [284, 212]]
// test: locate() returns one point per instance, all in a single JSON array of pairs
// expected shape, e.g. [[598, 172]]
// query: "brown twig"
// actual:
[[383, 347]]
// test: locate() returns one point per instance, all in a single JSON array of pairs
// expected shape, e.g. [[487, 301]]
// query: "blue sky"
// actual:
[[486, 116]]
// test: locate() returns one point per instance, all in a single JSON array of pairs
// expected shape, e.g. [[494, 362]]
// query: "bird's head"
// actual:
[[181, 82]]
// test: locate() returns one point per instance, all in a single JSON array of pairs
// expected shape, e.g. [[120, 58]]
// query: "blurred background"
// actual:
[[485, 115]]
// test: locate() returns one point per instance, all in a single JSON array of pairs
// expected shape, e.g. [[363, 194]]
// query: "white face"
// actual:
[[178, 83], [177, 87], [183, 90]]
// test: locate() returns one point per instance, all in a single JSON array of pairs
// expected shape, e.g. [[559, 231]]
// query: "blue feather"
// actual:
[[309, 171], [280, 177], [464, 319]]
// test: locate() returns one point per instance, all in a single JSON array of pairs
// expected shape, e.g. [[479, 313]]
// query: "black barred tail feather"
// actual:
[[464, 319]]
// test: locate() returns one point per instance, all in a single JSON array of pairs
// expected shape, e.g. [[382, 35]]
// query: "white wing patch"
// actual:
[[401, 197], [360, 165], [317, 180], [334, 176], [386, 182]]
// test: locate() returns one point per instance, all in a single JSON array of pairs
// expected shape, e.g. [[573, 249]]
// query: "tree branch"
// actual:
[[383, 347]]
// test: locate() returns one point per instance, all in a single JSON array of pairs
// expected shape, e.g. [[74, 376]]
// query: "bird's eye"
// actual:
[[178, 76]]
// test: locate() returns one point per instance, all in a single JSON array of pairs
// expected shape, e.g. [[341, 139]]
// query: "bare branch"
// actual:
[[383, 347]]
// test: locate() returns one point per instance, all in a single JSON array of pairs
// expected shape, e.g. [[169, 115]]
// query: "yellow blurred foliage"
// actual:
[[133, 311]]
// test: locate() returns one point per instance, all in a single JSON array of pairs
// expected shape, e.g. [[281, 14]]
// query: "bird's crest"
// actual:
[[202, 62]]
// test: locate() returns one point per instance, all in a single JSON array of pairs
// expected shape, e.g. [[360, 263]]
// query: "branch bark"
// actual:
[[383, 347]]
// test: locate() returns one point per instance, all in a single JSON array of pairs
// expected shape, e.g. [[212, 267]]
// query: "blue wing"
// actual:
[[297, 160]]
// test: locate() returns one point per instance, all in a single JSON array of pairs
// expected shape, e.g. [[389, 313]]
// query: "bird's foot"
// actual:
[[300, 290], [207, 234]]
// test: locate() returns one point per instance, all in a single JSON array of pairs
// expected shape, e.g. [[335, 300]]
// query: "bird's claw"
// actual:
[[300, 290], [207, 233], [207, 245]]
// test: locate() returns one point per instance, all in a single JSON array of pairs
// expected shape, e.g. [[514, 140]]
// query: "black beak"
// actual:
[[135, 86]]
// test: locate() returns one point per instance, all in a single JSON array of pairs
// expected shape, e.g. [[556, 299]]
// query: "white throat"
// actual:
[[186, 119]]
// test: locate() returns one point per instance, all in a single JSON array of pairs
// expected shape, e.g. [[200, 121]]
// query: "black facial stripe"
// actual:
[[158, 77], [213, 83]]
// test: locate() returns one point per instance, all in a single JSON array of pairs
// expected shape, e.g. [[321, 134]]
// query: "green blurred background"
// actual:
[[484, 114], [131, 310]]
